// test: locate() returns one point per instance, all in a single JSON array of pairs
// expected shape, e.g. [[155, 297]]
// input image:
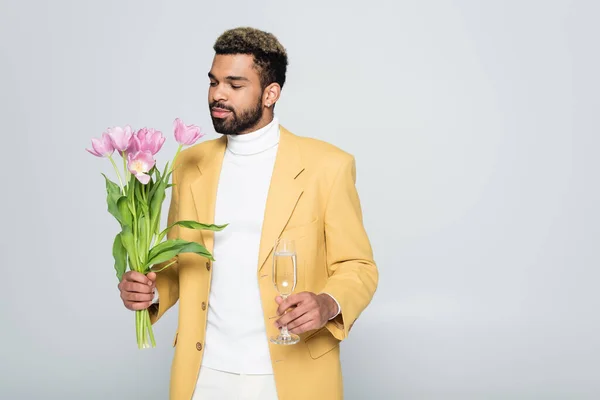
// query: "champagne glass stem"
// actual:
[[284, 329]]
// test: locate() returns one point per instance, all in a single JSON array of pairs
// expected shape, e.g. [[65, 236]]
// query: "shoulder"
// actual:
[[200, 152], [320, 153], [189, 159]]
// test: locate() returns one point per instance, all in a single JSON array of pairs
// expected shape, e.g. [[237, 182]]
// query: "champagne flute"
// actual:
[[284, 279]]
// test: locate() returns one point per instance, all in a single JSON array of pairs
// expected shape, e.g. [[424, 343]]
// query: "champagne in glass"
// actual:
[[284, 279]]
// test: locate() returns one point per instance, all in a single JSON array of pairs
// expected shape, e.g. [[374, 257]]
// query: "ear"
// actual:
[[271, 95]]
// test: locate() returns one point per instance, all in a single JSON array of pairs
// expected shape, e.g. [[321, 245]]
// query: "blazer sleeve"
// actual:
[[167, 280], [353, 275]]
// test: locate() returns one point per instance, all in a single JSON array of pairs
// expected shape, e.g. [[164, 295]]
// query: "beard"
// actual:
[[237, 122]]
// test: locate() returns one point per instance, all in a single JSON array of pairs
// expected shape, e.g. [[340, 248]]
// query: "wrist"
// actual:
[[330, 305]]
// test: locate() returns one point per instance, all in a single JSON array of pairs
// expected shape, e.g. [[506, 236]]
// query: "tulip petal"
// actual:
[[143, 178], [120, 137], [101, 147], [93, 152], [186, 134], [97, 146], [140, 162]]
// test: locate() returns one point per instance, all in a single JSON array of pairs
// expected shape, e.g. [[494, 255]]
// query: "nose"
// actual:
[[218, 93]]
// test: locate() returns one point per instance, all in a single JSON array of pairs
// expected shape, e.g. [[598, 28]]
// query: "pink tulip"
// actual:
[[120, 137], [102, 147], [139, 164], [146, 140], [186, 134]]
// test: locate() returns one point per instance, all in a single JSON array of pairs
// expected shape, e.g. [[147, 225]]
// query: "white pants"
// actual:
[[219, 385]]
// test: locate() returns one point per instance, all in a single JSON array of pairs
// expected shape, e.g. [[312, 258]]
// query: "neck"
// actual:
[[266, 119], [256, 141]]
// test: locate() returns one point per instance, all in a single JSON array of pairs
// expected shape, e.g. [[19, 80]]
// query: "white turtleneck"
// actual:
[[236, 338]]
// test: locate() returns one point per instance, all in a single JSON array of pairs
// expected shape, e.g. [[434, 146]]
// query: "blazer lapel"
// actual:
[[285, 191], [204, 189]]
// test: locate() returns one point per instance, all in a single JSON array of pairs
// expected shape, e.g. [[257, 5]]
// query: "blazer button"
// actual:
[[199, 346], [203, 306], [208, 266]]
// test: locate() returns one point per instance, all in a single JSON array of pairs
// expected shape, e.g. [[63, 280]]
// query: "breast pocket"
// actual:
[[297, 231]]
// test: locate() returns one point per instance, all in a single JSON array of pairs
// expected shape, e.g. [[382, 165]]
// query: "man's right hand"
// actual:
[[137, 290]]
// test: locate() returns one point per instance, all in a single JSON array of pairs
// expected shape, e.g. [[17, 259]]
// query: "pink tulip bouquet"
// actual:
[[136, 203]]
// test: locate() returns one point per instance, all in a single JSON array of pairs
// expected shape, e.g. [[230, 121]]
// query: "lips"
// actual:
[[219, 112]]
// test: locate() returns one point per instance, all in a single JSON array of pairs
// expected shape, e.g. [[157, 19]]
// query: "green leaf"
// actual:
[[130, 185], [151, 183], [170, 248], [168, 177], [156, 227], [120, 256], [159, 179], [113, 194], [156, 174], [124, 211], [129, 244], [142, 237], [139, 200], [191, 225], [156, 203], [195, 225], [200, 226], [166, 169]]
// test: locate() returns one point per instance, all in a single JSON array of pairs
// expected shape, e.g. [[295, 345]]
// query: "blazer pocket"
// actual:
[[299, 231], [320, 343]]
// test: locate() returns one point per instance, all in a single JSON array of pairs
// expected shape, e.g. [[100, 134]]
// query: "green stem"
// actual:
[[118, 174], [143, 330], [138, 329], [174, 158], [150, 233], [125, 170], [157, 224], [144, 252], [136, 256], [165, 267], [151, 229], [148, 238], [162, 235], [150, 331]]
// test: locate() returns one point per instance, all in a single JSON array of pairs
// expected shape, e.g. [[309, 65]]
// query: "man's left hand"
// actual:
[[310, 311]]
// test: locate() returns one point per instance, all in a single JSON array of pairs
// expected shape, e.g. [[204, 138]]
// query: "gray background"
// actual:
[[475, 129]]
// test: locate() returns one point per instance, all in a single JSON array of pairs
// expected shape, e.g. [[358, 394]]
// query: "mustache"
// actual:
[[216, 104]]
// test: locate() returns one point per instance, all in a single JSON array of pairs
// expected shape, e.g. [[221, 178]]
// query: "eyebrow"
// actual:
[[230, 78]]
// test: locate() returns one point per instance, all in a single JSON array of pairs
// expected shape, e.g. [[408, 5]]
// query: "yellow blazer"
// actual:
[[312, 199]]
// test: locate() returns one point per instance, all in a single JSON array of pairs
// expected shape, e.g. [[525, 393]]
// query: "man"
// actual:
[[265, 183]]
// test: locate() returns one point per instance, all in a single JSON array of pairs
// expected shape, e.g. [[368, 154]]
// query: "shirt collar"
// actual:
[[255, 142]]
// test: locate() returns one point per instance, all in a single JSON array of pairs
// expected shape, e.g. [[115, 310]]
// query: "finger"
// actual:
[[305, 327], [139, 305], [291, 316], [293, 301], [301, 320], [152, 277], [134, 276], [290, 302], [136, 287], [137, 297], [278, 299]]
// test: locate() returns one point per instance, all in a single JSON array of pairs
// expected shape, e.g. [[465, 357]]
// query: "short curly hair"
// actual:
[[269, 55]]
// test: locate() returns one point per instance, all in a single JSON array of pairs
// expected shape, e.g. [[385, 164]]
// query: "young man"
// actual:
[[265, 183]]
